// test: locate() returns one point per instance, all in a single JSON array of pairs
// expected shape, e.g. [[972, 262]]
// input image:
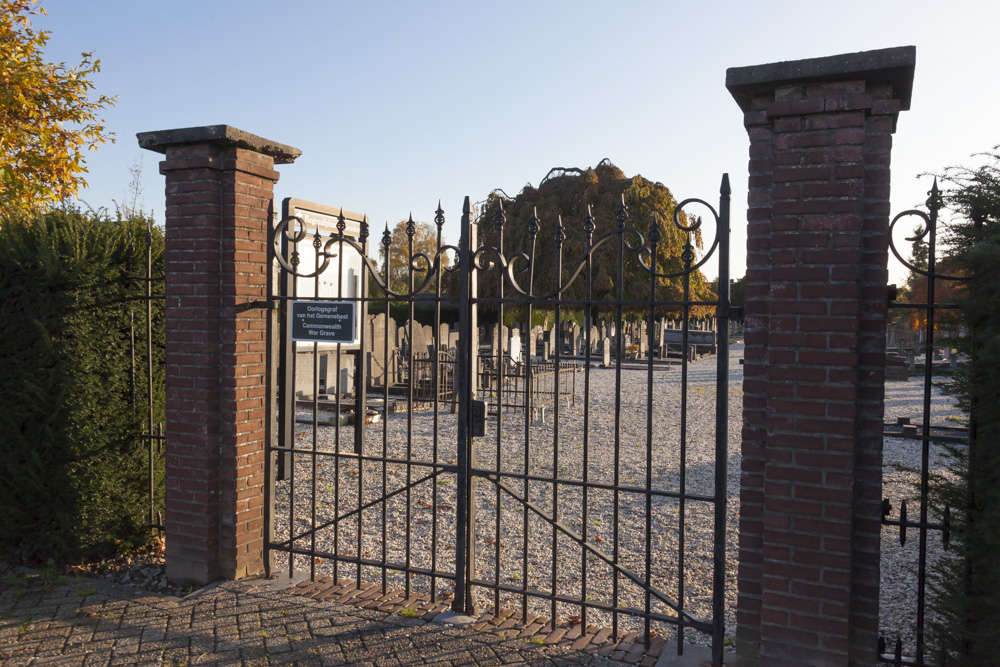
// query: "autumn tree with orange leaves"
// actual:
[[48, 116]]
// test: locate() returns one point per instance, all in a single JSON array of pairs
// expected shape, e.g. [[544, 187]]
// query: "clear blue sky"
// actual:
[[398, 104]]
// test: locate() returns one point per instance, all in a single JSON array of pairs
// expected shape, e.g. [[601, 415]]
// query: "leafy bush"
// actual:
[[73, 471]]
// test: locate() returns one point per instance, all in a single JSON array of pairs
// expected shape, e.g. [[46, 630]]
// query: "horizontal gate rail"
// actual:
[[566, 481]]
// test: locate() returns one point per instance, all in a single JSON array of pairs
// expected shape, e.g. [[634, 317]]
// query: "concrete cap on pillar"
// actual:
[[887, 66], [217, 135]]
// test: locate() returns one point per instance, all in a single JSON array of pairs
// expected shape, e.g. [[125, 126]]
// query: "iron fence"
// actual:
[[927, 324], [147, 368], [523, 387]]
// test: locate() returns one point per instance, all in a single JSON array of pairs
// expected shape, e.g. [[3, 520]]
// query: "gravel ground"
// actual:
[[568, 569], [901, 481]]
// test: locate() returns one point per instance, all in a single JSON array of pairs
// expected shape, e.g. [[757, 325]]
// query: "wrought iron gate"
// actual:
[[912, 535], [606, 511]]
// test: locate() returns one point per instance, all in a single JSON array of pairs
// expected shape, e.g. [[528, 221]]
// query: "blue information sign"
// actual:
[[323, 321]]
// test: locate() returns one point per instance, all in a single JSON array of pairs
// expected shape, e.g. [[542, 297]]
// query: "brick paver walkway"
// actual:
[[90, 622]]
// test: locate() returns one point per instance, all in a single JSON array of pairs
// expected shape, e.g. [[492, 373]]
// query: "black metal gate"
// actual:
[[921, 331], [606, 508]]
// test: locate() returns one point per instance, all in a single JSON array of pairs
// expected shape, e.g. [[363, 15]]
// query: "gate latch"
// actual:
[[478, 418]]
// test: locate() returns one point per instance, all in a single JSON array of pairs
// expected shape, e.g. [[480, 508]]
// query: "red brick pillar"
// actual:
[[816, 298], [219, 186]]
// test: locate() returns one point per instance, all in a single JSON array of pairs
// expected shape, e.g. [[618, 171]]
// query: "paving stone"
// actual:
[[226, 625]]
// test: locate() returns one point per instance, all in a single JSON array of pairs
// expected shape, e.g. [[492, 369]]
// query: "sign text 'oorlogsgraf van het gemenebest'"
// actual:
[[323, 321]]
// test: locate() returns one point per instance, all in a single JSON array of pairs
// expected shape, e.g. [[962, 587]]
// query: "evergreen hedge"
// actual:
[[74, 475]]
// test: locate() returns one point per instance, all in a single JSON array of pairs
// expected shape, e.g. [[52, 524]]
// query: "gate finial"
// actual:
[[533, 221], [439, 216], [411, 228], [622, 213], [588, 225]]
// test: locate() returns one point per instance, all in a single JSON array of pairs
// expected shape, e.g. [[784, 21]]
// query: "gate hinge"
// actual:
[[477, 416], [736, 312]]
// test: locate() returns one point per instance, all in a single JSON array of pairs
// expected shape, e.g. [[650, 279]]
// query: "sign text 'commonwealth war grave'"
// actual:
[[323, 321]]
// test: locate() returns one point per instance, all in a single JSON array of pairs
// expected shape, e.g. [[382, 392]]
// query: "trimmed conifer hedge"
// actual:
[[74, 475]]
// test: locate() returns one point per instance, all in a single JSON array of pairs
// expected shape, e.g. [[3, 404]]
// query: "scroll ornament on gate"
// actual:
[[487, 258], [292, 230]]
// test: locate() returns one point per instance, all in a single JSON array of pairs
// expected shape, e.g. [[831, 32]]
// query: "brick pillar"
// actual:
[[816, 299], [219, 186]]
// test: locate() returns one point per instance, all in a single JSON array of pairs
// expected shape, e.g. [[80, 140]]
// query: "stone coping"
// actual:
[[217, 135], [892, 66]]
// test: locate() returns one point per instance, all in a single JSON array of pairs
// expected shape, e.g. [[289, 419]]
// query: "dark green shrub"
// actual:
[[73, 471]]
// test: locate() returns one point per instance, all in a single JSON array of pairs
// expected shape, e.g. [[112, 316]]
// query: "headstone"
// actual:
[[606, 351], [515, 349], [442, 339], [494, 339], [376, 341], [415, 334]]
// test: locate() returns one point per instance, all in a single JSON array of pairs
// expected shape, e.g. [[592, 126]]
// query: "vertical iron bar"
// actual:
[[654, 237], [439, 268], [149, 371], [462, 501], [589, 227], [501, 343], [721, 430], [286, 364], [337, 454], [622, 216], [317, 245], [528, 399], [269, 402], [559, 238], [386, 245], [411, 311], [361, 389], [473, 370], [933, 204], [682, 490], [286, 460], [360, 361], [129, 267]]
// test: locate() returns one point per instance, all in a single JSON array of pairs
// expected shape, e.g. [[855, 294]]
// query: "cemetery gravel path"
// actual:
[[898, 564]]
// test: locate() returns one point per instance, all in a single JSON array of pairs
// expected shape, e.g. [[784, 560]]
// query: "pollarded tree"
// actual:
[[48, 116], [567, 195]]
